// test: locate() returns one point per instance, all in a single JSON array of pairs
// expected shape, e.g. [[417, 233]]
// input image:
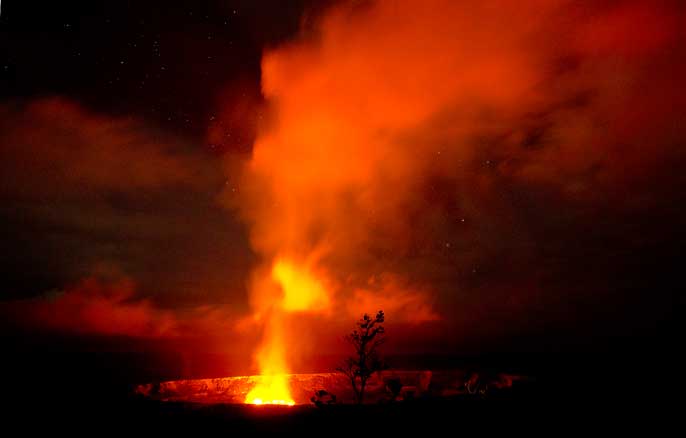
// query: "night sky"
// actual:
[[164, 68], [539, 205]]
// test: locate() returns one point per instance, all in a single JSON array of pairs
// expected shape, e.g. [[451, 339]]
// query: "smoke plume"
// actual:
[[411, 146]]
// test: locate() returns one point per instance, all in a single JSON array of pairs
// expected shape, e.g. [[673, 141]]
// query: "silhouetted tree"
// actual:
[[366, 361]]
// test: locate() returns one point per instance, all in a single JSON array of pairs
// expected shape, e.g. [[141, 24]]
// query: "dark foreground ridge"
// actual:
[[82, 396]]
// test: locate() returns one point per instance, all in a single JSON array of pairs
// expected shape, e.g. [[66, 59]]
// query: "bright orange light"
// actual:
[[299, 290], [271, 390]]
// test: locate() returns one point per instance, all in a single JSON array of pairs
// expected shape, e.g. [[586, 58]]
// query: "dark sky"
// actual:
[[165, 65], [121, 123]]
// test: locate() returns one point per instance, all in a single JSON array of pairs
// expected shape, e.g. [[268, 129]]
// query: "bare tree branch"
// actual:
[[365, 363]]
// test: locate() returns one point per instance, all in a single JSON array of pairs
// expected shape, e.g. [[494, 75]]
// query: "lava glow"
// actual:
[[273, 390], [291, 289]]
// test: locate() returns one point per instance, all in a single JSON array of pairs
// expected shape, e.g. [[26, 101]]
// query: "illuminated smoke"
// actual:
[[379, 103]]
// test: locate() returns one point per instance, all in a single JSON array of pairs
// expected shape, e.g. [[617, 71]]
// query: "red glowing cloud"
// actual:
[[418, 140], [94, 307]]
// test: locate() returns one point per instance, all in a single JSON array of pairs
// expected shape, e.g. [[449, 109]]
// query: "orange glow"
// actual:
[[272, 390], [301, 290], [297, 290]]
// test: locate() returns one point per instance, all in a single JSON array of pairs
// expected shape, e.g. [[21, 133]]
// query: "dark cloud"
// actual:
[[81, 190], [53, 147]]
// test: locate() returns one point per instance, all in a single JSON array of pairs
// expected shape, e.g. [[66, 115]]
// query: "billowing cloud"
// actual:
[[489, 168], [80, 188], [55, 147], [109, 304], [459, 146], [94, 307], [385, 292]]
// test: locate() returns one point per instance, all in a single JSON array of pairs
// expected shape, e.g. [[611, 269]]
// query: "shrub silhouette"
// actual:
[[366, 340]]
